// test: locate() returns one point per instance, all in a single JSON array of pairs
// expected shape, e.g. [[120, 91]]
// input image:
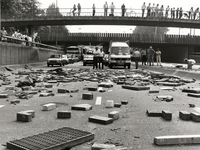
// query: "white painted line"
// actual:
[[98, 101], [2, 106]]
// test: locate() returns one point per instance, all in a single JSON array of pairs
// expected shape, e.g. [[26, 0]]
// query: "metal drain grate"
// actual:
[[53, 140]]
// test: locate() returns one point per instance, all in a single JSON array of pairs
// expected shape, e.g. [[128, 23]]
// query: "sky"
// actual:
[[185, 4]]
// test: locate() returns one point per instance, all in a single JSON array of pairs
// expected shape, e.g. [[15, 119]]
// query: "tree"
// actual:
[[150, 30]]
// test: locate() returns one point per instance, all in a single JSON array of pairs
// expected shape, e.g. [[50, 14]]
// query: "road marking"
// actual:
[[98, 101]]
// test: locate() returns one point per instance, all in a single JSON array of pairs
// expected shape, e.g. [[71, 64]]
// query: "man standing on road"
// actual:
[[96, 58], [151, 53], [105, 6], [190, 63], [158, 57], [101, 55], [136, 56], [144, 56]]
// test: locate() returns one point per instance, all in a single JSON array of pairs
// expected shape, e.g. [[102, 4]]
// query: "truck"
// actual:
[[73, 53], [119, 54]]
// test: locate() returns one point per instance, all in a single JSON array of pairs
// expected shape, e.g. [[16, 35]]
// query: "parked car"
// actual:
[[57, 59]]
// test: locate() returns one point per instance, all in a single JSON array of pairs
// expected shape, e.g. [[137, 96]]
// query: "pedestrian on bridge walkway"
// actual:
[[112, 7], [93, 8], [143, 9], [74, 9], [123, 10], [105, 6], [79, 9]]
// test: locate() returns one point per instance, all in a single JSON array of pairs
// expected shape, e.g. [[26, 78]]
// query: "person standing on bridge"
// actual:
[[112, 7], [153, 10], [180, 13], [167, 11], [196, 12], [74, 9], [149, 10], [93, 10], [79, 9], [123, 9], [105, 6], [143, 9]]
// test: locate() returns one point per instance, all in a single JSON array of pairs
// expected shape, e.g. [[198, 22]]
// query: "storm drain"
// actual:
[[53, 140]]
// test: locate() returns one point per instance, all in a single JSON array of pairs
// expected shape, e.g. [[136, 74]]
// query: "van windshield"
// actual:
[[120, 50]]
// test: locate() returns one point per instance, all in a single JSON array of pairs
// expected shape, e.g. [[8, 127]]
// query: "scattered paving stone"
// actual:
[[64, 114], [109, 104], [84, 107], [46, 94], [195, 116], [154, 113], [154, 91], [192, 90], [4, 96], [124, 102], [193, 95], [49, 106], [177, 139], [118, 105], [117, 148], [15, 101], [167, 115], [114, 115], [184, 115], [25, 116], [136, 88], [87, 96], [97, 146], [100, 119], [48, 86]]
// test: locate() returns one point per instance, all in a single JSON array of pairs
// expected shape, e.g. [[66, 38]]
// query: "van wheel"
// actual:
[[110, 66], [129, 66]]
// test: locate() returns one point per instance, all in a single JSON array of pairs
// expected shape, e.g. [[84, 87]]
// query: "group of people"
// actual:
[[98, 58], [151, 10], [158, 11], [20, 38], [147, 56]]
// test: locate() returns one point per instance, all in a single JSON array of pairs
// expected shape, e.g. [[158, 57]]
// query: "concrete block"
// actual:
[[48, 86], [14, 101], [184, 115], [109, 104], [32, 112], [195, 116], [167, 115], [87, 96], [97, 146], [100, 120], [26, 88], [114, 115], [118, 105], [136, 88], [154, 113], [124, 102], [98, 100], [62, 91], [154, 91], [193, 95], [10, 88], [49, 106], [3, 95], [117, 148], [83, 107], [52, 81], [24, 117], [105, 84], [92, 88], [177, 139], [46, 94], [64, 114]]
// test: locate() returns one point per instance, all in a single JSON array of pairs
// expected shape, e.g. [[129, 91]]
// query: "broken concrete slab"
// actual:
[[98, 100], [191, 90], [117, 148], [193, 95], [4, 96], [100, 119], [177, 139], [118, 105], [124, 102], [84, 107], [25, 116], [109, 104]]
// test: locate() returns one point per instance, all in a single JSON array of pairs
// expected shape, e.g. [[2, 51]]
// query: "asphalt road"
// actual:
[[134, 129]]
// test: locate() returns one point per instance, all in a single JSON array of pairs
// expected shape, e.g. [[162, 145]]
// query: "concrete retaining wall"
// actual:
[[18, 54]]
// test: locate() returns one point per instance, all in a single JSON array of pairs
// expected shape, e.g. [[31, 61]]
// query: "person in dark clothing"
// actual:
[[101, 55], [144, 56], [123, 10], [93, 8]]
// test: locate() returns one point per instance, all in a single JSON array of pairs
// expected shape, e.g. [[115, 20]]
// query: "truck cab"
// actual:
[[119, 54]]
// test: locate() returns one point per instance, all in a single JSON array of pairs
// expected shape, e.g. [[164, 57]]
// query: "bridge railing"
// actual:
[[130, 12], [10, 39], [106, 37]]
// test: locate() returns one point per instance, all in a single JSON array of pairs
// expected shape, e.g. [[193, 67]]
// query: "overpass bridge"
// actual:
[[64, 16]]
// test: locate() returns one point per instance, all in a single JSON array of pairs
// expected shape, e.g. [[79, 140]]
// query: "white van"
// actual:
[[119, 54]]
